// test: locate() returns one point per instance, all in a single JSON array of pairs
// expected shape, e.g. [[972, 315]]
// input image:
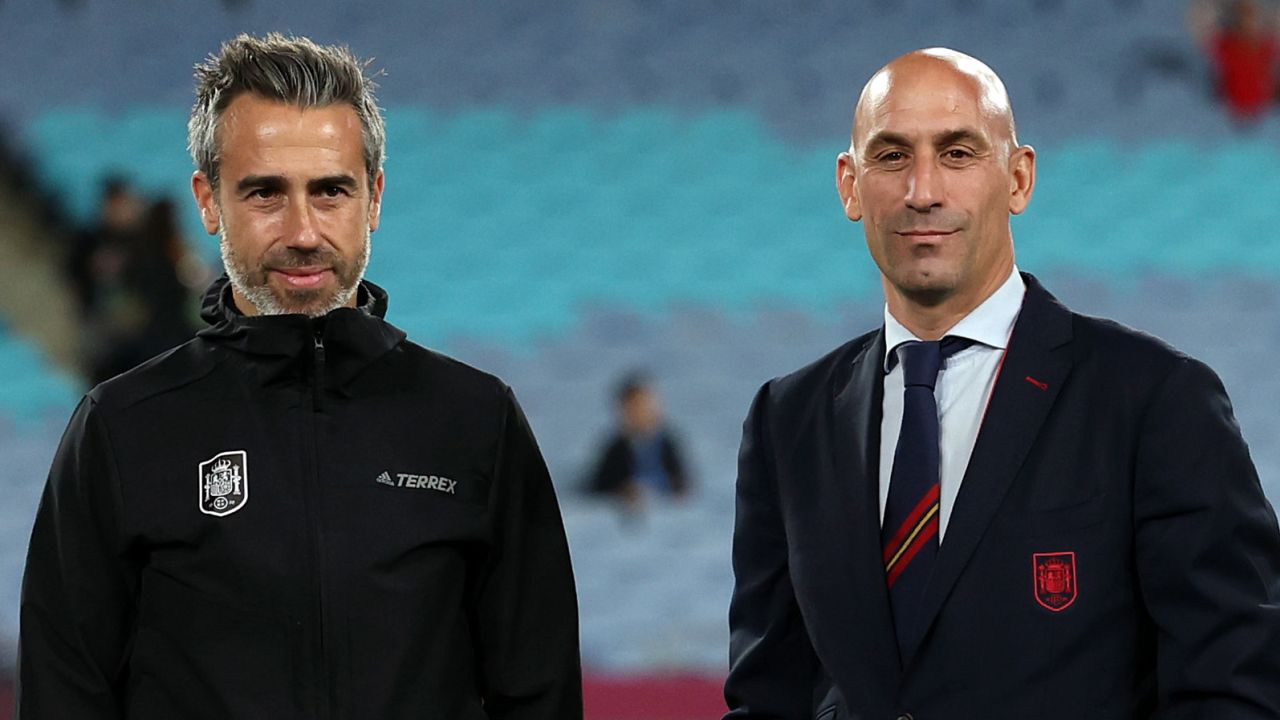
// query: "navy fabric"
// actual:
[[915, 478]]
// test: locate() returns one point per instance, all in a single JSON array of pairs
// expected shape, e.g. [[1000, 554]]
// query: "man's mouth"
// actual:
[[926, 233], [302, 277]]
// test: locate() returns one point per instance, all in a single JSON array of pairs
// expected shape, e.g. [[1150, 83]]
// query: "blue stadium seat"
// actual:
[[574, 194]]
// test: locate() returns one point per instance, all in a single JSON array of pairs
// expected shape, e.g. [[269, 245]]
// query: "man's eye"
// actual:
[[959, 154], [334, 191], [263, 194], [893, 156]]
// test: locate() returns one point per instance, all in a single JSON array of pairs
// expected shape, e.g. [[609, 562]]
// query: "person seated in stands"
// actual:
[[146, 303], [642, 457], [1242, 45], [166, 277], [93, 258]]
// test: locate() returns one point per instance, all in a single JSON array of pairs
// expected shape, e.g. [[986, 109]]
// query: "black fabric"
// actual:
[[398, 552], [616, 466]]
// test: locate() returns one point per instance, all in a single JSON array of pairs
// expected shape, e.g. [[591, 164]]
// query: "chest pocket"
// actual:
[[1072, 519]]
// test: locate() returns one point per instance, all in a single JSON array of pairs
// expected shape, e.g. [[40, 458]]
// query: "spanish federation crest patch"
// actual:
[[224, 483], [1055, 579]]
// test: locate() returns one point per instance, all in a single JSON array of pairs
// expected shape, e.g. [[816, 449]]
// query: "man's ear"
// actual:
[[206, 200], [375, 200], [847, 186], [1022, 178]]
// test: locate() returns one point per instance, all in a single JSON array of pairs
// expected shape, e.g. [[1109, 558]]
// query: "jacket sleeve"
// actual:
[[527, 604], [1208, 555], [772, 666], [673, 461], [79, 587], [613, 469]]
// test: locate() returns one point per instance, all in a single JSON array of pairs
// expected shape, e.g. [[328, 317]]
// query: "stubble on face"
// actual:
[[254, 281], [293, 218], [938, 234]]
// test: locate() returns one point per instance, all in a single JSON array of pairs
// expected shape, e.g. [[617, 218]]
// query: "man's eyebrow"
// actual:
[[259, 182], [343, 181], [941, 139], [887, 137], [960, 135]]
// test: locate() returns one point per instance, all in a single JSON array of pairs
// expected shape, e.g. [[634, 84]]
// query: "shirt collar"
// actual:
[[990, 324]]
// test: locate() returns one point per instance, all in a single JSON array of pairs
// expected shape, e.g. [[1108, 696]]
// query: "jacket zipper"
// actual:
[[326, 707]]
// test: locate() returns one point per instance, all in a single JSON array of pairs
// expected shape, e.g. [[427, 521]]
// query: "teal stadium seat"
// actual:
[[562, 246], [33, 392]]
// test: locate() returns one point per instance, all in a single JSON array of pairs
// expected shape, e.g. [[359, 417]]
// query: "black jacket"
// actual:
[[616, 466], [290, 517]]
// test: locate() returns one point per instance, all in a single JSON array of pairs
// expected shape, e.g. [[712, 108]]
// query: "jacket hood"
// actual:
[[286, 345]]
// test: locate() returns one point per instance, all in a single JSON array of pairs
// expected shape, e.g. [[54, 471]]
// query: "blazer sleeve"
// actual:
[[527, 608], [1208, 555], [80, 585], [772, 666]]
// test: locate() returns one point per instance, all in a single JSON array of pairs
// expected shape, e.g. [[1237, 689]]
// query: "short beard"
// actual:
[[254, 283]]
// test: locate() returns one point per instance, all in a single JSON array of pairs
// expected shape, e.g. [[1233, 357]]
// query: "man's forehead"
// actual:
[[924, 93], [922, 119], [265, 119]]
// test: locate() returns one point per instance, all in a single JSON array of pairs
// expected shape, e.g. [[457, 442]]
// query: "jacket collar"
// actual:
[[285, 346]]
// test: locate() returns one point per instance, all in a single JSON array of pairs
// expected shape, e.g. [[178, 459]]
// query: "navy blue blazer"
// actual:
[[1111, 555]]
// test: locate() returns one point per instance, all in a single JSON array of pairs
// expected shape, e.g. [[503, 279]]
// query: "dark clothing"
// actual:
[[290, 517], [1110, 556], [617, 467]]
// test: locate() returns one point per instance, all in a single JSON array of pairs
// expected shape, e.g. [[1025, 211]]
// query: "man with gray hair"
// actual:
[[298, 513]]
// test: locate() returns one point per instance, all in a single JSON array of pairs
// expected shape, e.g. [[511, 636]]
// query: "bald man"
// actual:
[[991, 507]]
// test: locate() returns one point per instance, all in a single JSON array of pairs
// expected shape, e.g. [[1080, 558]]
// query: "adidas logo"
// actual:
[[438, 483]]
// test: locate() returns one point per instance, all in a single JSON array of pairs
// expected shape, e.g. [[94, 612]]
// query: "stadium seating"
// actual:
[[590, 188], [34, 392], [511, 241]]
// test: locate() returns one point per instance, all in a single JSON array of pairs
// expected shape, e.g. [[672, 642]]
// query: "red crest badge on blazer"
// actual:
[[1055, 579]]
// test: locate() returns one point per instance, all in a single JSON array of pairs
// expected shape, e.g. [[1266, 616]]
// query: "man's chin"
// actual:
[[270, 300], [313, 301], [305, 302], [926, 289]]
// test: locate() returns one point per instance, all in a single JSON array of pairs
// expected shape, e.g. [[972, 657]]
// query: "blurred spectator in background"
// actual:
[[642, 457], [1240, 38], [165, 276], [143, 279], [94, 254]]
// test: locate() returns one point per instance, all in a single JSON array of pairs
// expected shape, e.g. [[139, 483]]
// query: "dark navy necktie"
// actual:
[[909, 535]]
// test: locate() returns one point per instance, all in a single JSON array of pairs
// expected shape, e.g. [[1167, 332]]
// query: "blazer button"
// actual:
[[906, 716]]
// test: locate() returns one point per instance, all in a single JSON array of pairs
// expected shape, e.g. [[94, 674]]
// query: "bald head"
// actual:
[[934, 173], [961, 79]]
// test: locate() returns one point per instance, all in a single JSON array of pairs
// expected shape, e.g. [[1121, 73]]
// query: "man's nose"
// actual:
[[300, 225], [924, 186]]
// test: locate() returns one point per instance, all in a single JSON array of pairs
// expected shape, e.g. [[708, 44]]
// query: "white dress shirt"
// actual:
[[963, 389]]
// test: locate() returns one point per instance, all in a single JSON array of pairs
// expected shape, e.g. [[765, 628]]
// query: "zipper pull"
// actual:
[[317, 376]]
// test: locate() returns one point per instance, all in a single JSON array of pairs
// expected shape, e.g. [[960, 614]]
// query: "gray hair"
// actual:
[[293, 70]]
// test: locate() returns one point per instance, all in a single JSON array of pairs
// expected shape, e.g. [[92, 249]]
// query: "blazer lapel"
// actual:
[[856, 445], [1034, 368]]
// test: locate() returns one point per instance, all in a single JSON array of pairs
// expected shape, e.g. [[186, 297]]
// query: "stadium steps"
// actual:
[[34, 299]]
